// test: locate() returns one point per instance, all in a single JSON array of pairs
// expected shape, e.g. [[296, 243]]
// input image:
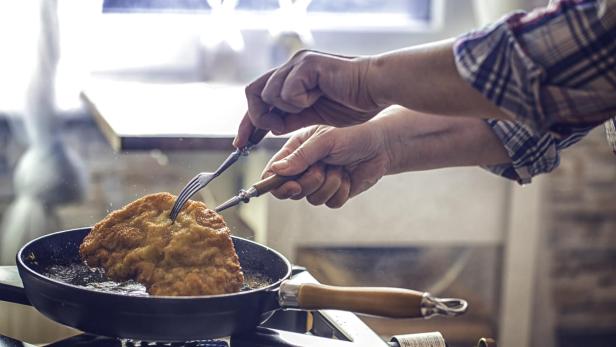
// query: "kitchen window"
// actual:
[[318, 14]]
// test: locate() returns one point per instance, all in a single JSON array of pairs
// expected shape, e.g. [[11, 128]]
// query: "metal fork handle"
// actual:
[[231, 159], [255, 138]]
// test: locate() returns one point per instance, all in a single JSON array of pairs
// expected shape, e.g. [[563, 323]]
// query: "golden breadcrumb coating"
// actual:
[[193, 256]]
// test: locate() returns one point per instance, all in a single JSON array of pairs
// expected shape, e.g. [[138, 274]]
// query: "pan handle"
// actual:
[[11, 287], [378, 301]]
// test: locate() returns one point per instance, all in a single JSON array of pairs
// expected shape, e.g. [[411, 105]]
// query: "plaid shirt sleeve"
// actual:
[[531, 153], [553, 70]]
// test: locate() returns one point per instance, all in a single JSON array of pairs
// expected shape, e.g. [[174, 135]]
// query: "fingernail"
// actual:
[[280, 165], [296, 192]]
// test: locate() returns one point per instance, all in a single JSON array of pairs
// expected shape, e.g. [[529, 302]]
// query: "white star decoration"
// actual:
[[222, 26], [292, 16]]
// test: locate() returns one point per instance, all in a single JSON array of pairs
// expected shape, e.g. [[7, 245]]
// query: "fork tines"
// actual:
[[187, 192]]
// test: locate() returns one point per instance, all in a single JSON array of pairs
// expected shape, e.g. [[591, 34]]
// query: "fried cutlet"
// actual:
[[193, 256]]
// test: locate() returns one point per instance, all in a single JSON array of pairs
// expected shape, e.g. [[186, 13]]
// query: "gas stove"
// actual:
[[284, 328], [287, 329]]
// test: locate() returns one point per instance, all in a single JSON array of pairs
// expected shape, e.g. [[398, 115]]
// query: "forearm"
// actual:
[[418, 141], [425, 78]]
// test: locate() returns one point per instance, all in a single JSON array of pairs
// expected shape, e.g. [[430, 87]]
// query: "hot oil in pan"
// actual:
[[80, 274]]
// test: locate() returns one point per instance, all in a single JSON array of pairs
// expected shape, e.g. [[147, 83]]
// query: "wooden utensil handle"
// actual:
[[271, 183], [386, 302], [256, 136]]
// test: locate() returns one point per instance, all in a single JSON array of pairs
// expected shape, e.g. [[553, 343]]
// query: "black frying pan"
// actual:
[[198, 317]]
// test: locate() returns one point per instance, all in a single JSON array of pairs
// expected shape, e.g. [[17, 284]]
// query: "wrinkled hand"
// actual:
[[311, 88], [339, 163]]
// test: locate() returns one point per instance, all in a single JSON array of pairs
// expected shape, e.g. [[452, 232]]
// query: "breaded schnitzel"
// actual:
[[193, 256]]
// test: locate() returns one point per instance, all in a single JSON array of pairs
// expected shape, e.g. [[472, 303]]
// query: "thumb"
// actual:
[[311, 151]]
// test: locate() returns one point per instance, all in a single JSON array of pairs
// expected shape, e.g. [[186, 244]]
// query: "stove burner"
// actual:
[[91, 340]]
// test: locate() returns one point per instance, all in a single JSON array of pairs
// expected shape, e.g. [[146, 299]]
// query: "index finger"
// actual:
[[289, 147], [256, 108], [243, 132]]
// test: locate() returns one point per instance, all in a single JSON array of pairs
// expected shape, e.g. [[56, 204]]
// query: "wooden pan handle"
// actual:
[[386, 302], [271, 183]]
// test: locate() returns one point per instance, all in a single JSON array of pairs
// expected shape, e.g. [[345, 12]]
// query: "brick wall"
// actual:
[[580, 200]]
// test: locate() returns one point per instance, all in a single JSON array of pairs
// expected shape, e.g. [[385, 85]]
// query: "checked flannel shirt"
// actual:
[[553, 70]]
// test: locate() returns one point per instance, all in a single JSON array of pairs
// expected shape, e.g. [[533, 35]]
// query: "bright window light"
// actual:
[[19, 25]]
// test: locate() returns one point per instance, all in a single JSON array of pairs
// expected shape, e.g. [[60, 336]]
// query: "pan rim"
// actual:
[[271, 287]]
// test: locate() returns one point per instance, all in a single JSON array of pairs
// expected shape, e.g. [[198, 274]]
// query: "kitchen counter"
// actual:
[[187, 116]]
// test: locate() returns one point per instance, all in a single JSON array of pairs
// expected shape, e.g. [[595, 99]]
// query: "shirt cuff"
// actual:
[[531, 154]]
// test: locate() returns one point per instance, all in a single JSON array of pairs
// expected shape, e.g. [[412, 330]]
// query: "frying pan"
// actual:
[[197, 317]]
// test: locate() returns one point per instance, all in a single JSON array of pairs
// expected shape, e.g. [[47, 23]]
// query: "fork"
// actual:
[[202, 179]]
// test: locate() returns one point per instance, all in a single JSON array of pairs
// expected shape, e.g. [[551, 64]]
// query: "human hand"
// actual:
[[311, 88], [339, 163]]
